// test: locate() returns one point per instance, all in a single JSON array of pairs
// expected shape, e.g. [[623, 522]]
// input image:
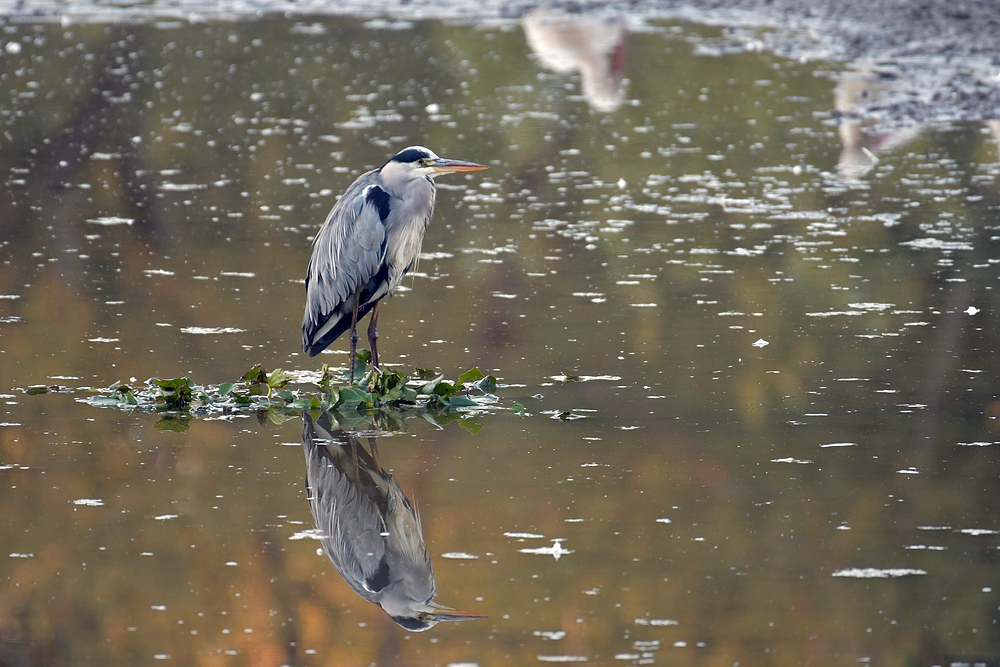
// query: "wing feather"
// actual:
[[348, 253]]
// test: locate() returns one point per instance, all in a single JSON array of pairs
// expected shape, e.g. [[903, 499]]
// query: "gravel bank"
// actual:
[[941, 56]]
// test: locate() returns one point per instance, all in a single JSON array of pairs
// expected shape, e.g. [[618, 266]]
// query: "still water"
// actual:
[[755, 345]]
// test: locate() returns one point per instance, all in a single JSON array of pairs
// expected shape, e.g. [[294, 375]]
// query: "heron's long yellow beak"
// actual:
[[446, 614], [444, 166]]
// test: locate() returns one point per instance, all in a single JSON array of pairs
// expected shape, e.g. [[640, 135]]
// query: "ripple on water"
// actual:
[[562, 658], [876, 573], [656, 622], [111, 221], [937, 244], [211, 330]]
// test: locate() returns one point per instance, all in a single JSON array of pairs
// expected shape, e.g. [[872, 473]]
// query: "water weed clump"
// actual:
[[385, 397]]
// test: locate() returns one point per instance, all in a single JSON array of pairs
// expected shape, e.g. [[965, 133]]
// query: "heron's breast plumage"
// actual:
[[405, 226]]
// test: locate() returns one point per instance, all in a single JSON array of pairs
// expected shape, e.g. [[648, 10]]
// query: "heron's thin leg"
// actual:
[[354, 333], [373, 445], [373, 333], [354, 458]]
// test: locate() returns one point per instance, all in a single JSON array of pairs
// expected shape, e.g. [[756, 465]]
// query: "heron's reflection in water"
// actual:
[[592, 45], [855, 92], [370, 530]]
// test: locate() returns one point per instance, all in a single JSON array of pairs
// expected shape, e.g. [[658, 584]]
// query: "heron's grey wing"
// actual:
[[347, 254], [350, 523]]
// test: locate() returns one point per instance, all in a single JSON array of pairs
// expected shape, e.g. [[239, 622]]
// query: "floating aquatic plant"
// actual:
[[383, 398]]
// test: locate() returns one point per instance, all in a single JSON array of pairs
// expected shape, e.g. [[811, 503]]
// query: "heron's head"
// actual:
[[420, 162], [425, 616]]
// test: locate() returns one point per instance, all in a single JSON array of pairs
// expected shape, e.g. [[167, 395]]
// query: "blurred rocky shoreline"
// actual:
[[933, 61]]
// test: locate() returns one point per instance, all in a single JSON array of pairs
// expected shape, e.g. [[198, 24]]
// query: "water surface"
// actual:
[[779, 332]]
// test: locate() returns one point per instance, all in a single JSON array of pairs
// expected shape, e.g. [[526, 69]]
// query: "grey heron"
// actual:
[[370, 240], [370, 530]]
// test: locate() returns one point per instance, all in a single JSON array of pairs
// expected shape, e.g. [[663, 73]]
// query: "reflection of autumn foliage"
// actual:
[[744, 564]]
